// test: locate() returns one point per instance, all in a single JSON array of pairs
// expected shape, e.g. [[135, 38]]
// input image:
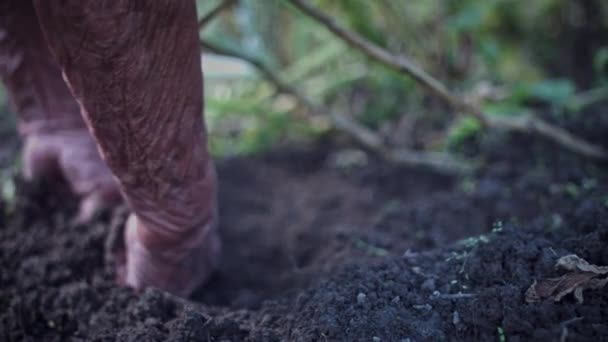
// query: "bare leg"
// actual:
[[134, 66], [57, 142]]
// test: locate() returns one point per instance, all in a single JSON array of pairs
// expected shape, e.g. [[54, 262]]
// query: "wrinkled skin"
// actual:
[[134, 69], [56, 140]]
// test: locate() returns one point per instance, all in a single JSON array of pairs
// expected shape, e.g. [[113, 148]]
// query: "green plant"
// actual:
[[462, 130], [501, 334]]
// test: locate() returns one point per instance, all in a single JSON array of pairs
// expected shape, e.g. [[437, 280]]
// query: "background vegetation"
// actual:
[[512, 58], [544, 58]]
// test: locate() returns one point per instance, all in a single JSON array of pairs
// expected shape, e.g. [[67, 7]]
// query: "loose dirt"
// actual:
[[316, 251]]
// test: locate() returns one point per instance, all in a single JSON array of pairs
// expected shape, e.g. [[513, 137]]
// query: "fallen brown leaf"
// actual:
[[573, 262], [581, 276]]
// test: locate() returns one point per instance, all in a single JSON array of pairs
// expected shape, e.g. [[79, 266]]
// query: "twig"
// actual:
[[534, 125], [206, 19], [451, 296], [282, 87], [365, 137], [564, 325], [572, 320], [399, 63], [529, 125], [586, 98]]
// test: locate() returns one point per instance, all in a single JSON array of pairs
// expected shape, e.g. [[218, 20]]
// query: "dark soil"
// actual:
[[319, 252]]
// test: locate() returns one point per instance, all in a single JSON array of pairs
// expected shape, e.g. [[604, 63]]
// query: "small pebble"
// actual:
[[425, 307], [376, 339], [456, 318], [429, 285], [151, 321], [361, 297]]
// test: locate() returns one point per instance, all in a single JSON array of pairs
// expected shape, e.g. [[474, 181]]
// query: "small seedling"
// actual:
[[556, 221], [572, 190], [589, 184], [468, 186], [474, 241], [497, 227], [8, 193], [371, 249], [501, 334]]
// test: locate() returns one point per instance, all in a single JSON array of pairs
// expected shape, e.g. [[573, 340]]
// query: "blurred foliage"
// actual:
[[515, 57], [464, 129]]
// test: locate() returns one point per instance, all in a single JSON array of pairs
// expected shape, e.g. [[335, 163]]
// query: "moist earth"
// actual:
[[319, 249]]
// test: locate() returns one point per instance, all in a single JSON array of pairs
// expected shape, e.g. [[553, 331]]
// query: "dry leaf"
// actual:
[[573, 262], [581, 276]]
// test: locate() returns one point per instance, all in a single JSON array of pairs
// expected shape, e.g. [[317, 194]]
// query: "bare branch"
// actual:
[[528, 125], [438, 162], [399, 63], [206, 19], [282, 86]]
